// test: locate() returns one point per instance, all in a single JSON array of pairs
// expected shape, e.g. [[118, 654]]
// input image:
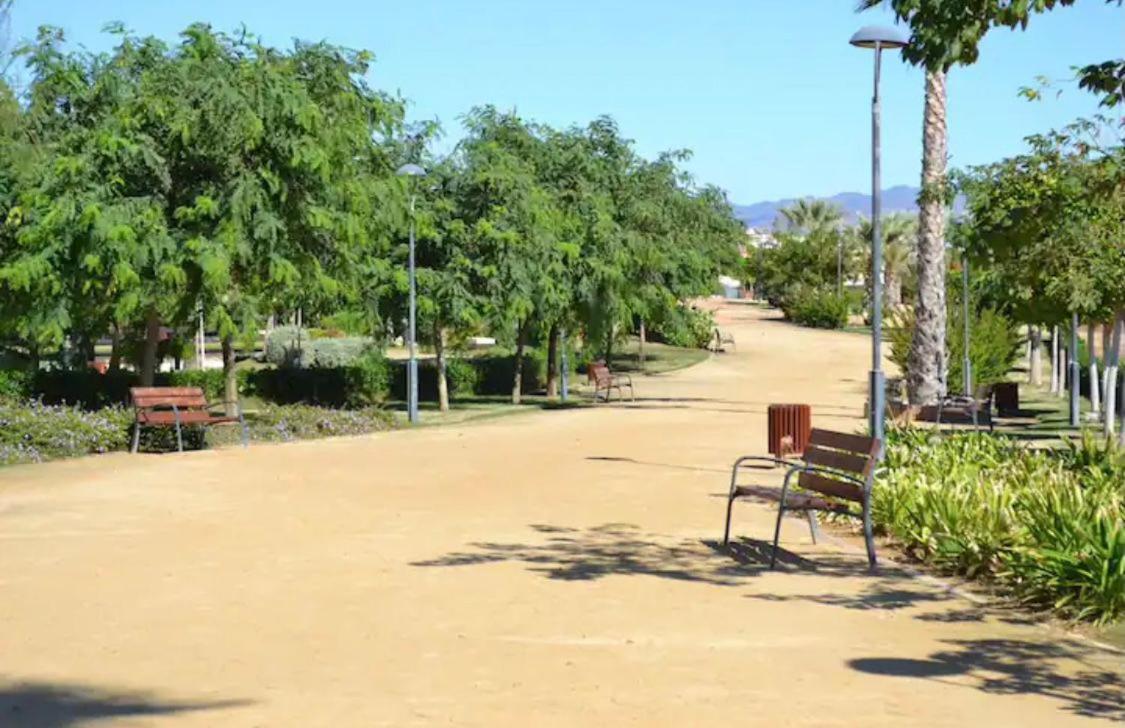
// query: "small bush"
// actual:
[[32, 432], [685, 327], [211, 381], [994, 345], [818, 308], [461, 376], [368, 380], [16, 384], [282, 347], [284, 423]]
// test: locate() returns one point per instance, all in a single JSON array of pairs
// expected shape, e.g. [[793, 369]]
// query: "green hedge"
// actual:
[[1046, 527], [818, 308], [32, 432]]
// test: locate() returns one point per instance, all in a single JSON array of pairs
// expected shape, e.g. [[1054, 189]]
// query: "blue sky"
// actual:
[[767, 93]]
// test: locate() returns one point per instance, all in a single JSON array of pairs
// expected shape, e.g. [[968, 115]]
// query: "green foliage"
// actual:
[[462, 376], [31, 432], [209, 380], [16, 384], [368, 378], [819, 308], [995, 344], [801, 262], [685, 326], [285, 423], [1047, 528]]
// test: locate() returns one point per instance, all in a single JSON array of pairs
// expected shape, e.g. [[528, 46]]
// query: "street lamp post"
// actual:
[[966, 361], [412, 170], [879, 39]]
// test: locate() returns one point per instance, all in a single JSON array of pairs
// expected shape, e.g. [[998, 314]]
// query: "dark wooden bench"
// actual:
[[835, 476], [605, 381], [177, 407]]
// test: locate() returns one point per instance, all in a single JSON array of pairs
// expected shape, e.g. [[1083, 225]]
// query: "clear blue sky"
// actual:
[[767, 93]]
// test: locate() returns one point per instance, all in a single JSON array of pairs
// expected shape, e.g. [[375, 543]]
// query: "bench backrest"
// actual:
[[854, 455], [600, 373], [184, 398]]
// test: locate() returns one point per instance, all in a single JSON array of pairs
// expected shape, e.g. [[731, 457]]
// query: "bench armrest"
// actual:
[[830, 473], [763, 459]]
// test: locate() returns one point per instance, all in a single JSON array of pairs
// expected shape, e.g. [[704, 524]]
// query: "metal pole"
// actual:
[[878, 391], [1074, 369], [839, 263], [564, 365], [412, 365], [966, 360]]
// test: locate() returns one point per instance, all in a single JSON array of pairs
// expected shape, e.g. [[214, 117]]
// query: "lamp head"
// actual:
[[888, 38]]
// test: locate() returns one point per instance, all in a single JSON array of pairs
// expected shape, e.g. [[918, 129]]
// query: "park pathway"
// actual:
[[544, 569]]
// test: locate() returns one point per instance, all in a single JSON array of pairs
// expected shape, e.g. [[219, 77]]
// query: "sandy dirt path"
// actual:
[[544, 569]]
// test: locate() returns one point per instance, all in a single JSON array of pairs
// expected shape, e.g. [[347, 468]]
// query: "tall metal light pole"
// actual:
[[879, 39], [412, 170], [966, 361], [1075, 418]]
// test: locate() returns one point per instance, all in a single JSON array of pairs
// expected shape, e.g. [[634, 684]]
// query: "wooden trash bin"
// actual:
[[1007, 397], [789, 426]]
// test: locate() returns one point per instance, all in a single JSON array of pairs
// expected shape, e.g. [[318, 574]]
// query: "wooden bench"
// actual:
[[177, 407], [605, 381], [720, 339], [836, 476]]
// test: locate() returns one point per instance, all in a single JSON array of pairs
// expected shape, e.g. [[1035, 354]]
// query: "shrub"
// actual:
[[819, 308], [211, 381], [461, 376], [32, 432], [368, 379], [16, 384], [685, 327], [1046, 527], [283, 423], [995, 344]]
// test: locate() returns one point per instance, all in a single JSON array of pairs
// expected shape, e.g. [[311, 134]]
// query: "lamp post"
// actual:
[[966, 361], [412, 170], [878, 39]]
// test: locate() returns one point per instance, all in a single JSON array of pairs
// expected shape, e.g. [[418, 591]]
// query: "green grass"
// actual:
[[659, 358]]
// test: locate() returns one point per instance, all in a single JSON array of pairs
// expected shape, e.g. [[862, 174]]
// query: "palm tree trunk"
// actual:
[[927, 350], [893, 286]]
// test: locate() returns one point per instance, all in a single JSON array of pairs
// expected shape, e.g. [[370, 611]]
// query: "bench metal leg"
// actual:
[[136, 437], [245, 430], [777, 534], [814, 529], [868, 536], [179, 438], [726, 531]]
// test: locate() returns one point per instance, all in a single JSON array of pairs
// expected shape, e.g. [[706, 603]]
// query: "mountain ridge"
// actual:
[[900, 198]]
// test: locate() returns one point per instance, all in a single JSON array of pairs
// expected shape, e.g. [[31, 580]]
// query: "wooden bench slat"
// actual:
[[843, 441], [830, 486], [836, 460]]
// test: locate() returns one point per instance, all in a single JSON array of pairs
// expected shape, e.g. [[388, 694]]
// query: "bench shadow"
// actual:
[[1059, 670], [37, 704], [650, 464], [620, 549]]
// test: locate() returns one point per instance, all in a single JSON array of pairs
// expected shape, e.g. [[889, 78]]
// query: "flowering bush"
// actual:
[[31, 432]]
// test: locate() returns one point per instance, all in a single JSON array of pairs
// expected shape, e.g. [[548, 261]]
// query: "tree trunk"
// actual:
[[230, 380], [927, 349], [892, 284], [442, 382], [553, 362], [642, 344], [1054, 359], [1095, 385], [517, 376], [1035, 359], [148, 355], [1112, 355], [1064, 370], [115, 349], [609, 343]]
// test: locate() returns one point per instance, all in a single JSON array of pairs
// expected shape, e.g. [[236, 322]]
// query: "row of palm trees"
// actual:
[[809, 216]]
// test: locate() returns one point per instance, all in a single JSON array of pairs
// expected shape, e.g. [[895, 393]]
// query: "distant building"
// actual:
[[759, 238]]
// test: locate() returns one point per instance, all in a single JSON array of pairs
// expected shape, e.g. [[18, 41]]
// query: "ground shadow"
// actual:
[[879, 595], [646, 463], [1060, 670], [618, 549], [57, 705]]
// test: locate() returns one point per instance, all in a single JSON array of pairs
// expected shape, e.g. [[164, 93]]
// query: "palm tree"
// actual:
[[898, 253], [809, 215], [927, 350]]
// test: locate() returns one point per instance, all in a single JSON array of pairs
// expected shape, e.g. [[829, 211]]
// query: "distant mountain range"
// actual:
[[903, 198]]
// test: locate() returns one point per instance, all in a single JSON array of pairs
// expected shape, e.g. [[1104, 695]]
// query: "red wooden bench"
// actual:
[[836, 476], [177, 407], [605, 381]]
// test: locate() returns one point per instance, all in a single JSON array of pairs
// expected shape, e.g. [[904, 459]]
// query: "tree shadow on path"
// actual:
[[619, 549], [1059, 670], [57, 705]]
